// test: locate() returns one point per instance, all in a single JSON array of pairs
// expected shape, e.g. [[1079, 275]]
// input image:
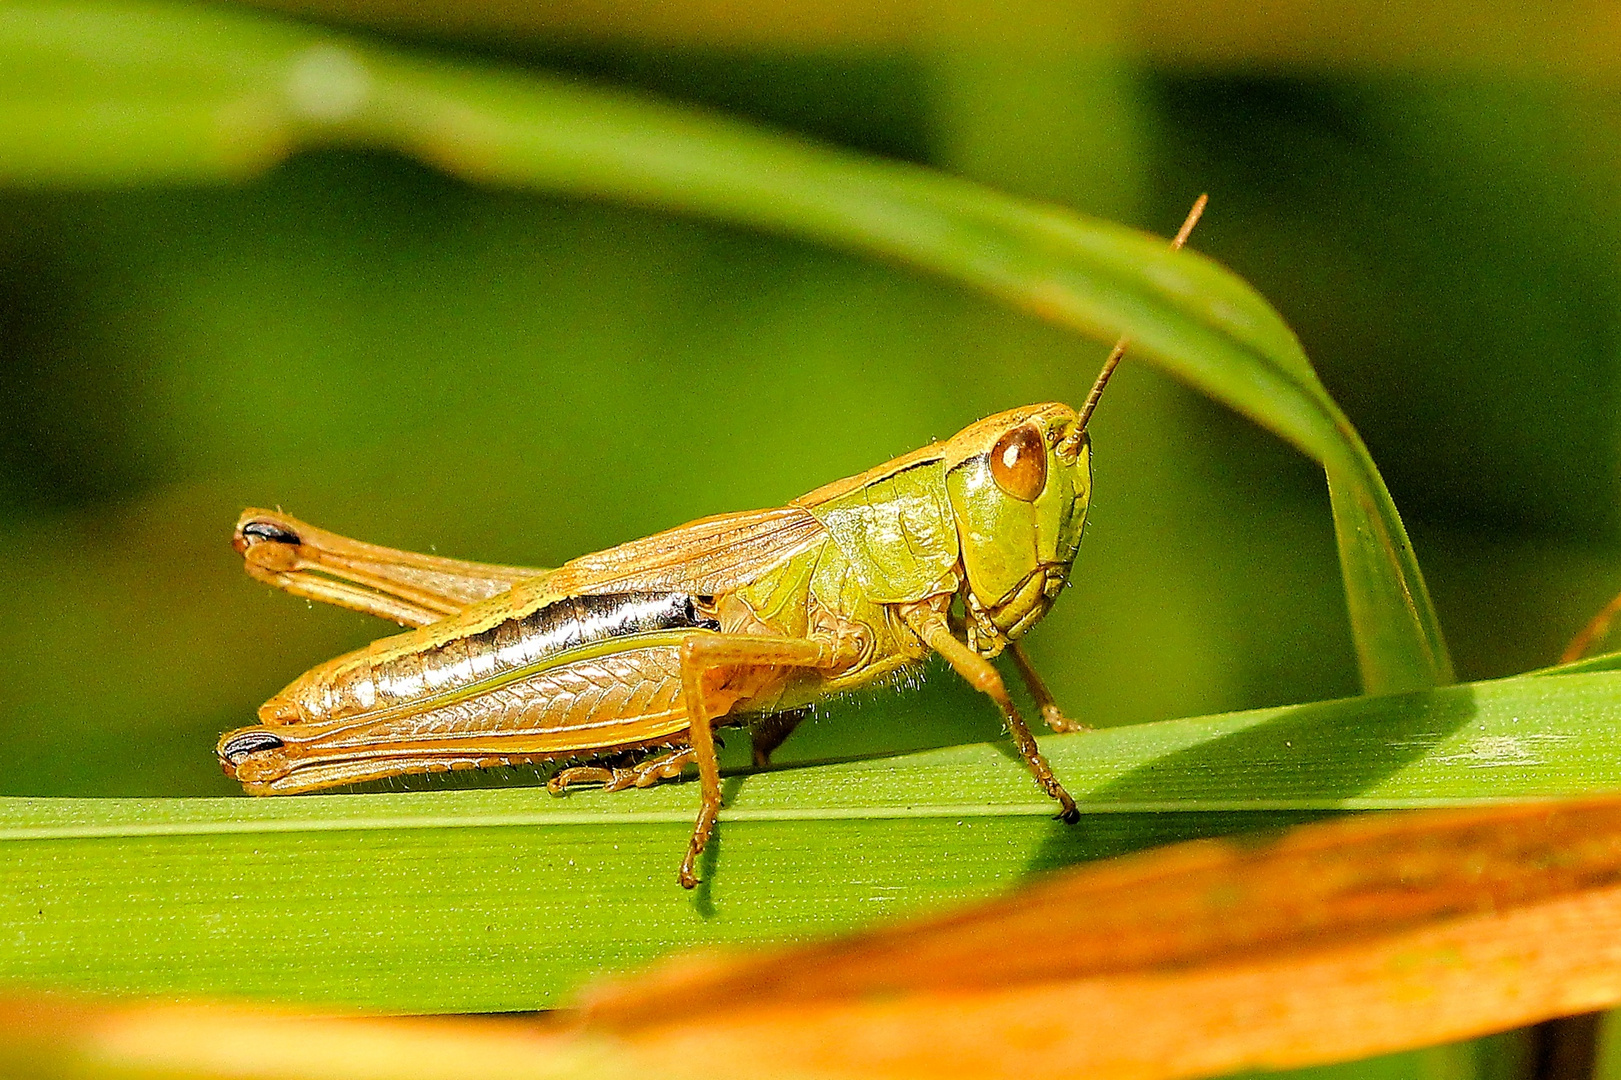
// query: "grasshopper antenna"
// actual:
[[1119, 349]]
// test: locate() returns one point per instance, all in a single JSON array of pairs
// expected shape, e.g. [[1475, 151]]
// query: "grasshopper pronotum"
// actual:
[[741, 618]]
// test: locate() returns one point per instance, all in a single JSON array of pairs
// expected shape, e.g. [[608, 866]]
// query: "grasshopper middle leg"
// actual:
[[703, 656]]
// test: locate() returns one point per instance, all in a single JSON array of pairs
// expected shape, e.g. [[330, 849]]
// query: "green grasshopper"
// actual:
[[637, 653]]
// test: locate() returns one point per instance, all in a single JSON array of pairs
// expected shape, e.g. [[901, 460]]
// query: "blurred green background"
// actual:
[[418, 362]]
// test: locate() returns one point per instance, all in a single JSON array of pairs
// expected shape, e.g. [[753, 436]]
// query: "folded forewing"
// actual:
[[706, 557]]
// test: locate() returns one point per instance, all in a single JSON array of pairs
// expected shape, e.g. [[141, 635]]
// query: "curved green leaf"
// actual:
[[128, 93]]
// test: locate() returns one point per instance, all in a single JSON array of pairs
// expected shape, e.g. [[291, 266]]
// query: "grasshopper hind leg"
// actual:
[[644, 773], [704, 656], [765, 734]]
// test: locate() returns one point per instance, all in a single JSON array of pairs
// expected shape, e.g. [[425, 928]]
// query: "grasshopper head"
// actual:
[[1019, 484]]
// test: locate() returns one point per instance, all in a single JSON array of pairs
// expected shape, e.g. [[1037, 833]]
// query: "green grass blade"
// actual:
[[507, 899], [137, 93]]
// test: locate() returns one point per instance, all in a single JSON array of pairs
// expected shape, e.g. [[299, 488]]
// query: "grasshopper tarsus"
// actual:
[[1037, 763], [664, 767], [701, 834], [645, 773], [931, 625], [562, 781], [1060, 724]]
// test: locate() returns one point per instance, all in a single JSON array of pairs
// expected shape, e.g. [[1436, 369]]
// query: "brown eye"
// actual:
[[1019, 463]]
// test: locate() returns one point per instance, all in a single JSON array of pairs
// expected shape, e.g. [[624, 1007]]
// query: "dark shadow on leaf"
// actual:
[[1317, 753], [1103, 836]]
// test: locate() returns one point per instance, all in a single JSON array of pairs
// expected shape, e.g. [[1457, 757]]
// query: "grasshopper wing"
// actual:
[[710, 556]]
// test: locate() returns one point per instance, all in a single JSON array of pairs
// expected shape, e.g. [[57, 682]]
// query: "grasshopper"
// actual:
[[637, 653]]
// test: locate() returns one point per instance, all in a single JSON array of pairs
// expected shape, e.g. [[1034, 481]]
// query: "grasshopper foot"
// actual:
[[664, 767], [701, 832], [643, 774], [578, 776], [1068, 812], [1055, 718]]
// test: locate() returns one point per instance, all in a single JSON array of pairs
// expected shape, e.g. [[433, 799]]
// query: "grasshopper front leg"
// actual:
[[705, 661], [930, 625], [1050, 711]]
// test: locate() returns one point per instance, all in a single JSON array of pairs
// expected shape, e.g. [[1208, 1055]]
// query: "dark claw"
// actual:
[[249, 742], [267, 530], [1070, 816]]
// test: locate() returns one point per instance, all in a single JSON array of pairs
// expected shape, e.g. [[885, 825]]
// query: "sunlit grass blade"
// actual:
[[140, 93], [509, 899]]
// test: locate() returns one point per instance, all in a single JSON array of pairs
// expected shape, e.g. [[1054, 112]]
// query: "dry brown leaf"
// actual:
[[1327, 942]]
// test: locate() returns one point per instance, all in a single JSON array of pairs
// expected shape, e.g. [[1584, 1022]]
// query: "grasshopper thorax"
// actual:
[[1019, 484]]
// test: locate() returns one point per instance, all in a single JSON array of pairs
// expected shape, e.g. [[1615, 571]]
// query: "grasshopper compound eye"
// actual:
[[1019, 463]]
